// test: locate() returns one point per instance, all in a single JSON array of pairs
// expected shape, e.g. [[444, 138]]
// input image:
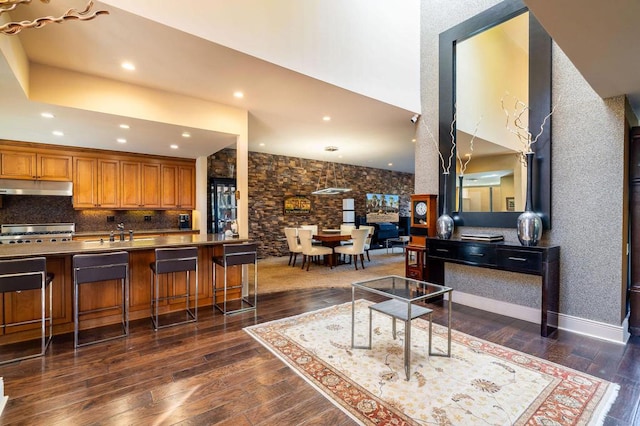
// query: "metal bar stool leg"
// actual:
[[241, 255]]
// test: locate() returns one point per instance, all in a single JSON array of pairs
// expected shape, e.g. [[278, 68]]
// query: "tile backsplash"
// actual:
[[51, 209]]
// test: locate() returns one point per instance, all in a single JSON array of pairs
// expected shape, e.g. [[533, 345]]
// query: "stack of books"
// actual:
[[482, 237]]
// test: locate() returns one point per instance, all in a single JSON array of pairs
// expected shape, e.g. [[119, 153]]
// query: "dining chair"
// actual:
[[367, 241], [309, 251], [314, 231], [346, 230], [294, 246], [358, 236]]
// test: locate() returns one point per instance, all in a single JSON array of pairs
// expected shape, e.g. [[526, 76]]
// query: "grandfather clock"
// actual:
[[424, 210]]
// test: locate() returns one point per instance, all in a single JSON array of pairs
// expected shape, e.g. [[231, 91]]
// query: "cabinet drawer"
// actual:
[[443, 251], [519, 260], [477, 254]]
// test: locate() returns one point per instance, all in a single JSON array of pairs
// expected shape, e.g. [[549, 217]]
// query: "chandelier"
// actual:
[[12, 28], [331, 190]]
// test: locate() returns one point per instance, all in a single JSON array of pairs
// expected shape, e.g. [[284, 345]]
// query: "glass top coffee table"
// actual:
[[403, 293]]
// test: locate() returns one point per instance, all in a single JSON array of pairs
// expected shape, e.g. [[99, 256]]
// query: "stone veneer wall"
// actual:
[[274, 177]]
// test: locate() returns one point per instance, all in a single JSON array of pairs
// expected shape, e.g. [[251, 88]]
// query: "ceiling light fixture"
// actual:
[[128, 66], [186, 134], [124, 126], [174, 146], [46, 115], [57, 133], [13, 28], [331, 190], [326, 118], [121, 140], [238, 95]]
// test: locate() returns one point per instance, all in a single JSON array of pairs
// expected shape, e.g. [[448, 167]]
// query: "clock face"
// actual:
[[421, 208]]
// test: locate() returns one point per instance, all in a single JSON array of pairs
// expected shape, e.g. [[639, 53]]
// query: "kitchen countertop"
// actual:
[[8, 251], [135, 232]]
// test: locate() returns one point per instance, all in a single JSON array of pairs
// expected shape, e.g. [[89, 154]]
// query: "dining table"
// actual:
[[332, 239]]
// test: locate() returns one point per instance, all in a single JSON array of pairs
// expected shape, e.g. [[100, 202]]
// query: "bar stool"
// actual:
[[19, 275], [172, 260], [92, 268], [236, 255]]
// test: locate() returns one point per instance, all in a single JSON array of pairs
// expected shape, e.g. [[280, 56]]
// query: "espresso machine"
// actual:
[[184, 221]]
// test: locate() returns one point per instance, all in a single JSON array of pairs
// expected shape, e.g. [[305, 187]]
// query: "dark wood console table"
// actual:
[[542, 261]]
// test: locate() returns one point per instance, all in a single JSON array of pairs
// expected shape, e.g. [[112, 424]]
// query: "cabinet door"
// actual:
[[108, 183], [186, 187], [54, 167], [150, 185], [85, 182], [18, 165], [130, 184], [169, 186]]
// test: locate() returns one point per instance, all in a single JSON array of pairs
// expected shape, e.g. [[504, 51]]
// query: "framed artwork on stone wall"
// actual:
[[297, 205]]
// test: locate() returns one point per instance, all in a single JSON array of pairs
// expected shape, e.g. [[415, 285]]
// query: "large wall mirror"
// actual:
[[502, 50]]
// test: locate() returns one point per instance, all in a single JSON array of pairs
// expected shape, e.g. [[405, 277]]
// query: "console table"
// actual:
[[543, 261]]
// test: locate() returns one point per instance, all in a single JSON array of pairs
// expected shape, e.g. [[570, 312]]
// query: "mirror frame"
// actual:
[[539, 104]]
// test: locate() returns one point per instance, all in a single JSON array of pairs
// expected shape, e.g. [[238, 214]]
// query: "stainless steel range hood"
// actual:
[[35, 187]]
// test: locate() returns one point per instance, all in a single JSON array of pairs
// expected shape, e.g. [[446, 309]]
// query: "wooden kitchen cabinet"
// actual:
[[33, 165], [96, 183], [178, 186], [140, 185]]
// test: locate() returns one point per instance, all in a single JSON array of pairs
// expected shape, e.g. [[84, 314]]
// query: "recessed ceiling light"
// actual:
[[47, 115], [128, 66], [121, 140], [390, 164], [238, 95], [261, 144], [57, 133], [326, 118], [186, 134], [124, 126], [174, 146], [413, 140]]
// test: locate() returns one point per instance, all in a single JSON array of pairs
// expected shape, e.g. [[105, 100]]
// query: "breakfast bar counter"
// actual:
[[59, 259]]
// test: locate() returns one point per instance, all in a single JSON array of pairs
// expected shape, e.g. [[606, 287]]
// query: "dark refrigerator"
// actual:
[[223, 209]]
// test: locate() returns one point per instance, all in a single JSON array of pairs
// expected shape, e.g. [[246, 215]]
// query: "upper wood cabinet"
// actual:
[[140, 185], [178, 186], [96, 183], [33, 165]]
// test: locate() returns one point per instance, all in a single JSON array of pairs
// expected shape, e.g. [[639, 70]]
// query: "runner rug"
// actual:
[[481, 384]]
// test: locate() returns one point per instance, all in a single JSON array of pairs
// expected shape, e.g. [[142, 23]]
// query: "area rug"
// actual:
[[275, 275], [481, 384]]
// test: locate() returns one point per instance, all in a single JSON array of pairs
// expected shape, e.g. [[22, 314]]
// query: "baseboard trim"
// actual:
[[587, 327]]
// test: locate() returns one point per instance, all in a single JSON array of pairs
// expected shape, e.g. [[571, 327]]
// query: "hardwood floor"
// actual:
[[212, 372]]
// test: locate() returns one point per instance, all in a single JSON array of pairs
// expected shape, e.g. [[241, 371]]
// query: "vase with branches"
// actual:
[[445, 223], [529, 223]]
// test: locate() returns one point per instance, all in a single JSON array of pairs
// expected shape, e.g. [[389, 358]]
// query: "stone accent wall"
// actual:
[[274, 177]]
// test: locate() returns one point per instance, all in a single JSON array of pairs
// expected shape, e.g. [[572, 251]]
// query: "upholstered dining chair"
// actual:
[[358, 236], [346, 230], [367, 241], [294, 246], [314, 231], [309, 251]]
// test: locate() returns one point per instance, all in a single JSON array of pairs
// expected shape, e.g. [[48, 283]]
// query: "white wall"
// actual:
[[370, 47]]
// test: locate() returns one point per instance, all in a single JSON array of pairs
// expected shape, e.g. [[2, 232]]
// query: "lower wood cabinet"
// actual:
[[103, 296]]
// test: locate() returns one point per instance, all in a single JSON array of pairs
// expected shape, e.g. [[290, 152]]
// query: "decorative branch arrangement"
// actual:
[[521, 131], [463, 164], [446, 168], [13, 28]]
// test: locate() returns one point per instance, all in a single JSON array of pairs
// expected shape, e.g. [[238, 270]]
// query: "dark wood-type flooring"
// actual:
[[212, 372]]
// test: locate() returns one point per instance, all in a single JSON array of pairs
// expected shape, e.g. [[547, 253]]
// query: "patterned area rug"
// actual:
[[481, 384]]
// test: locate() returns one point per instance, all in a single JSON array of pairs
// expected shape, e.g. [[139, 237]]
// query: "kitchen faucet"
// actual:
[[121, 229]]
